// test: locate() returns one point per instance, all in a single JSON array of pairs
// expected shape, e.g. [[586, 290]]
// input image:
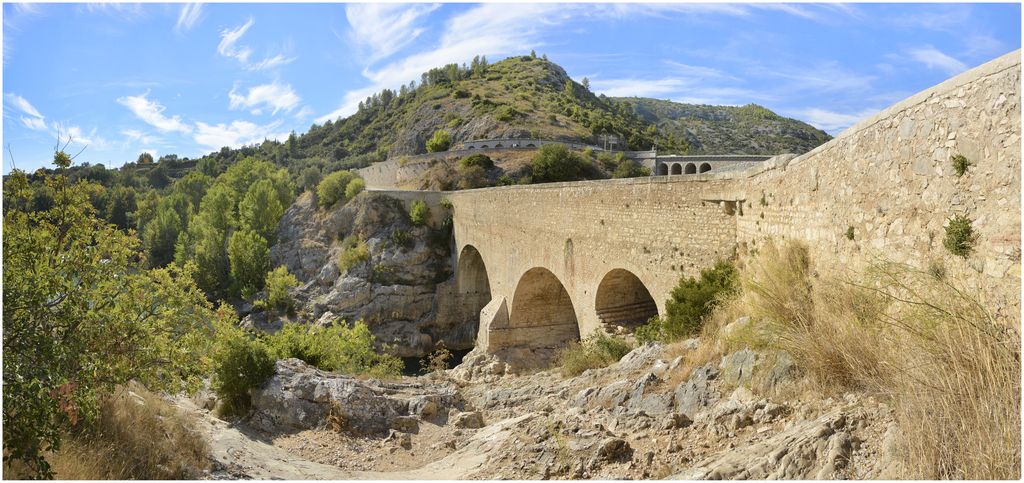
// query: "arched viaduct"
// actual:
[[540, 265]]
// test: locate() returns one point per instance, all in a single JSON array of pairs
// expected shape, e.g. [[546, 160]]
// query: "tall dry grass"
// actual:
[[137, 436], [950, 370]]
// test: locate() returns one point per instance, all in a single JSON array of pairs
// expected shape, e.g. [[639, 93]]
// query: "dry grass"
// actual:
[[137, 435], [951, 371]]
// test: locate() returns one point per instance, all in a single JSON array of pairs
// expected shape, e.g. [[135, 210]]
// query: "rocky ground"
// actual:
[[647, 416]]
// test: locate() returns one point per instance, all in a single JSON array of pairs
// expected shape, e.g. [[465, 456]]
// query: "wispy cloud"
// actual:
[[188, 17], [832, 121], [383, 28], [935, 59], [236, 133], [137, 136], [274, 96], [637, 87], [228, 48], [151, 112], [30, 117]]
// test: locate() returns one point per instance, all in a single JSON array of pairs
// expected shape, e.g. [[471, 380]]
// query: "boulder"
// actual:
[[697, 393], [614, 449], [468, 420], [738, 367]]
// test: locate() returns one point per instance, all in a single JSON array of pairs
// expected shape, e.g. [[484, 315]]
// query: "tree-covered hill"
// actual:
[[749, 129]]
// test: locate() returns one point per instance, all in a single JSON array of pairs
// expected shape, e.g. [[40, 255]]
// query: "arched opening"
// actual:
[[705, 167], [498, 145], [662, 169], [677, 168], [542, 315], [483, 147], [470, 147], [691, 168], [623, 303], [473, 287], [530, 146]]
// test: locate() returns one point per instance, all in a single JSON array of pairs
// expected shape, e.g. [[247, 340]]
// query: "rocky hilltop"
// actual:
[[749, 129]]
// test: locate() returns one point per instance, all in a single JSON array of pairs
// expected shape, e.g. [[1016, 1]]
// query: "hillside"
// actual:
[[749, 129]]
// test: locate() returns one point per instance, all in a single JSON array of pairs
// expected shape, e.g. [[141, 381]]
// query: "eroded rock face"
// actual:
[[394, 291], [299, 396]]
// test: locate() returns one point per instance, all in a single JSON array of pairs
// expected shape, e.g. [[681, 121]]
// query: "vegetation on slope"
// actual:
[[749, 129]]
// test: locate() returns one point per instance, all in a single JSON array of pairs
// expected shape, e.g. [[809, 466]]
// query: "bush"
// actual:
[[249, 257], [472, 177], [479, 159], [354, 187], [240, 364], [440, 141], [506, 113], [353, 255], [555, 162], [960, 236], [419, 214], [596, 351], [437, 361], [960, 164], [403, 239], [279, 284], [629, 169], [691, 301], [332, 188], [849, 233], [339, 348]]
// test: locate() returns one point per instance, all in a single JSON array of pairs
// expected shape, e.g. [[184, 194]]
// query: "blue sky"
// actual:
[[190, 78]]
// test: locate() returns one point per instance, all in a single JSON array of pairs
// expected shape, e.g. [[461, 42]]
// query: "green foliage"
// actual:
[[437, 361], [353, 255], [960, 236], [240, 363], [309, 178], [338, 348], [627, 168], [849, 233], [160, 235], [419, 214], [596, 351], [555, 162], [82, 317], [354, 187], [507, 113], [333, 187], [960, 164], [279, 284], [691, 301], [250, 259], [478, 159], [446, 203], [403, 239], [260, 209], [440, 141]]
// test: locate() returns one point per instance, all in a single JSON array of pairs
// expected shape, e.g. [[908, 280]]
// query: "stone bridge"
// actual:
[[540, 265]]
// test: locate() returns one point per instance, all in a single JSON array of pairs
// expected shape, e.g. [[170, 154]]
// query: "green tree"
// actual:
[[440, 141], [354, 187], [161, 234], [332, 189], [555, 162], [81, 317], [145, 158], [193, 185], [627, 168], [120, 205], [279, 284], [206, 240], [309, 178], [691, 301], [260, 209], [249, 257]]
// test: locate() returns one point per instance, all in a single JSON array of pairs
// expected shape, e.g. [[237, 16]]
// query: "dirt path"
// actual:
[[238, 455]]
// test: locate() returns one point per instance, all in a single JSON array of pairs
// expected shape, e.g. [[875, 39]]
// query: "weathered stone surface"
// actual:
[[738, 367], [468, 420], [299, 396], [614, 449], [697, 392]]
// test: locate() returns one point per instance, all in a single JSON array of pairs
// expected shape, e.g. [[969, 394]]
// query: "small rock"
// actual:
[[468, 420], [405, 424], [614, 449]]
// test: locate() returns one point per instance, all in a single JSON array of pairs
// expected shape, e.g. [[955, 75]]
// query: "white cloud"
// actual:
[[189, 16], [236, 134], [637, 87], [228, 48], [151, 112], [31, 117], [832, 121], [697, 71], [935, 59], [274, 96], [138, 136], [385, 28]]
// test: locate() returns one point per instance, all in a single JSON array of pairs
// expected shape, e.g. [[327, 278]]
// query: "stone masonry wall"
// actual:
[[890, 178]]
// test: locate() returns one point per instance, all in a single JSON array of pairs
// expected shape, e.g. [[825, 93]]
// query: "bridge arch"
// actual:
[[542, 314], [623, 302], [498, 145], [662, 169], [677, 168], [704, 167], [691, 168]]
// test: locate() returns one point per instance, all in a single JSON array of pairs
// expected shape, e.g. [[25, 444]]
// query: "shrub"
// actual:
[[279, 284], [440, 141], [403, 239], [240, 364], [332, 188], [419, 214], [339, 348], [555, 162], [960, 236], [596, 351], [472, 177], [249, 257], [353, 255], [478, 159], [460, 93], [691, 301], [960, 164], [354, 187], [446, 203], [849, 233], [437, 361], [506, 113], [629, 169]]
